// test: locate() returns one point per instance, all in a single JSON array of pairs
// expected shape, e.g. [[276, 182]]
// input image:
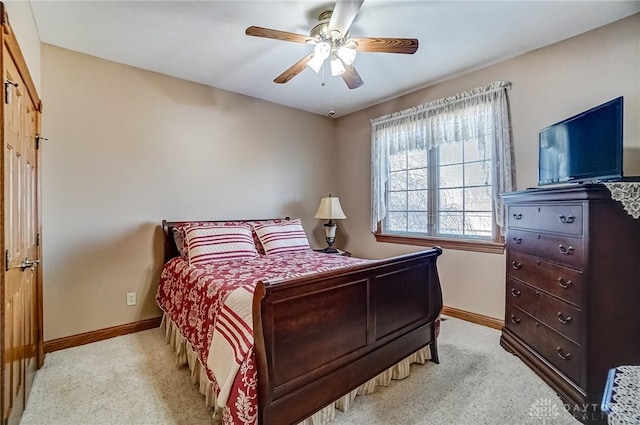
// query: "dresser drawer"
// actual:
[[554, 313], [553, 218], [558, 248], [557, 280], [565, 355]]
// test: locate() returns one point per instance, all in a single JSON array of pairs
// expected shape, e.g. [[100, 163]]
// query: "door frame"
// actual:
[[9, 41]]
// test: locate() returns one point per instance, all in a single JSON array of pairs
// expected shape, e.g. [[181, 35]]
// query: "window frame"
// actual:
[[492, 247]]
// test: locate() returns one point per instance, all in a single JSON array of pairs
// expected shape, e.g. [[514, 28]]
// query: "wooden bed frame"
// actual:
[[319, 336]]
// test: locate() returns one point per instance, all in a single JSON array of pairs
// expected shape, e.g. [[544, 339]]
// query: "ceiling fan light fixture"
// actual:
[[347, 54], [337, 67], [322, 50], [315, 63]]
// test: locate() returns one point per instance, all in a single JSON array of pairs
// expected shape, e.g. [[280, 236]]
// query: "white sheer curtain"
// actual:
[[444, 121]]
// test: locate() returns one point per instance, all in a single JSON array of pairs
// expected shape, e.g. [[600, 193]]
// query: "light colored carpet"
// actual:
[[133, 379]]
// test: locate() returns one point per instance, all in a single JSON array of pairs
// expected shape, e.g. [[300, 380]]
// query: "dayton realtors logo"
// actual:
[[546, 412]]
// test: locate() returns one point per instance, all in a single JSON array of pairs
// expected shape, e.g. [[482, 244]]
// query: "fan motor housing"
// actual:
[[321, 30]]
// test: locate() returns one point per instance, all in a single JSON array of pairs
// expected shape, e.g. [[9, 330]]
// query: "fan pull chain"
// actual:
[[331, 111]]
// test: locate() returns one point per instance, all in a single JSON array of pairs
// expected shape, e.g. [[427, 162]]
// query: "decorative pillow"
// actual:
[[179, 232], [215, 243], [256, 239], [181, 241], [277, 238], [181, 244]]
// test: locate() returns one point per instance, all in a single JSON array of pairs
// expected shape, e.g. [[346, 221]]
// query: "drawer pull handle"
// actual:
[[562, 319], [516, 265], [566, 284], [515, 320], [567, 220], [515, 292], [564, 250], [562, 354], [516, 240], [517, 216]]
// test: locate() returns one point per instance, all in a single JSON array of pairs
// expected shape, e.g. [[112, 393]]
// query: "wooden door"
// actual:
[[21, 240]]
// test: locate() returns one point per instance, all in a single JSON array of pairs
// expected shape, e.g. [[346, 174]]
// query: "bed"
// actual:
[[283, 337]]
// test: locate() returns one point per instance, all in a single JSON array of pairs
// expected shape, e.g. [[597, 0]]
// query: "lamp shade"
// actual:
[[347, 54], [330, 208], [315, 63], [337, 67]]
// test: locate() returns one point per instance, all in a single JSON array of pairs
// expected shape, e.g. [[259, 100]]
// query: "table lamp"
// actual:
[[330, 209]]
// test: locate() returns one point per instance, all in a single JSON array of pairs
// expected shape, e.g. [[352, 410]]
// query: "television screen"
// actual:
[[585, 147]]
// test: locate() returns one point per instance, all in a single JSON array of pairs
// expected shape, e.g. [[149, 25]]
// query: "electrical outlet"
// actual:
[[131, 298]]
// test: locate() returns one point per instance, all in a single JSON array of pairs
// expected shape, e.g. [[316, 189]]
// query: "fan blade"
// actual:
[[278, 35], [294, 70], [386, 45], [351, 77], [343, 15]]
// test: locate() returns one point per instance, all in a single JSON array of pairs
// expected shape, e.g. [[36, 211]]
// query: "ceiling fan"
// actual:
[[332, 41]]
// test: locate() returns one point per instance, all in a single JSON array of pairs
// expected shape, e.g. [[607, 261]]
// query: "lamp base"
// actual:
[[330, 237], [330, 250]]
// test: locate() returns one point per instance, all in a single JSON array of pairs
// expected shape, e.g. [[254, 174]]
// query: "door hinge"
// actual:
[[6, 260], [38, 239], [38, 139], [7, 90]]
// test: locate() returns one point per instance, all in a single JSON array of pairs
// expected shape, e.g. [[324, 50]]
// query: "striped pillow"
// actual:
[[256, 240], [215, 243], [181, 240], [277, 238]]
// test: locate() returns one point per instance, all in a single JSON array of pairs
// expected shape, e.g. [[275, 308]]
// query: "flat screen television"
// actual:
[[584, 148]]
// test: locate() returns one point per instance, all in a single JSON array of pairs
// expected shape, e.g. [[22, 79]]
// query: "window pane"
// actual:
[[417, 179], [451, 176], [398, 161], [418, 200], [417, 158], [397, 221], [474, 151], [418, 222], [451, 199], [398, 201], [450, 153], [477, 173], [477, 198], [398, 180], [450, 223], [478, 224]]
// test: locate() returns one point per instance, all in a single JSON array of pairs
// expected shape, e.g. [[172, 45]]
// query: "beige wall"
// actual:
[[549, 84], [128, 148], [24, 27]]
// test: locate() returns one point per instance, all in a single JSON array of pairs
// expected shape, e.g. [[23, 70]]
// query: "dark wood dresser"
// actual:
[[573, 288]]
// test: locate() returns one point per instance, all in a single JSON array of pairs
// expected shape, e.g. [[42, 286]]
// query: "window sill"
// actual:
[[461, 245]]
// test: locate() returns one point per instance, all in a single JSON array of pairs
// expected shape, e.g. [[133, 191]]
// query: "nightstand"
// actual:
[[340, 252]]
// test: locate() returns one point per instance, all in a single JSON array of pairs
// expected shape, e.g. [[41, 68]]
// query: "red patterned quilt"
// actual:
[[211, 305]]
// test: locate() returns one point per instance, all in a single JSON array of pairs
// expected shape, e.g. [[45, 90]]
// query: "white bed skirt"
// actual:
[[185, 355]]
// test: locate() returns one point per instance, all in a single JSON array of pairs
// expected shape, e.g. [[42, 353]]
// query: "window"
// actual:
[[460, 179], [434, 175]]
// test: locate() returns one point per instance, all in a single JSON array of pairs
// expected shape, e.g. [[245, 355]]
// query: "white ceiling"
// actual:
[[204, 41]]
